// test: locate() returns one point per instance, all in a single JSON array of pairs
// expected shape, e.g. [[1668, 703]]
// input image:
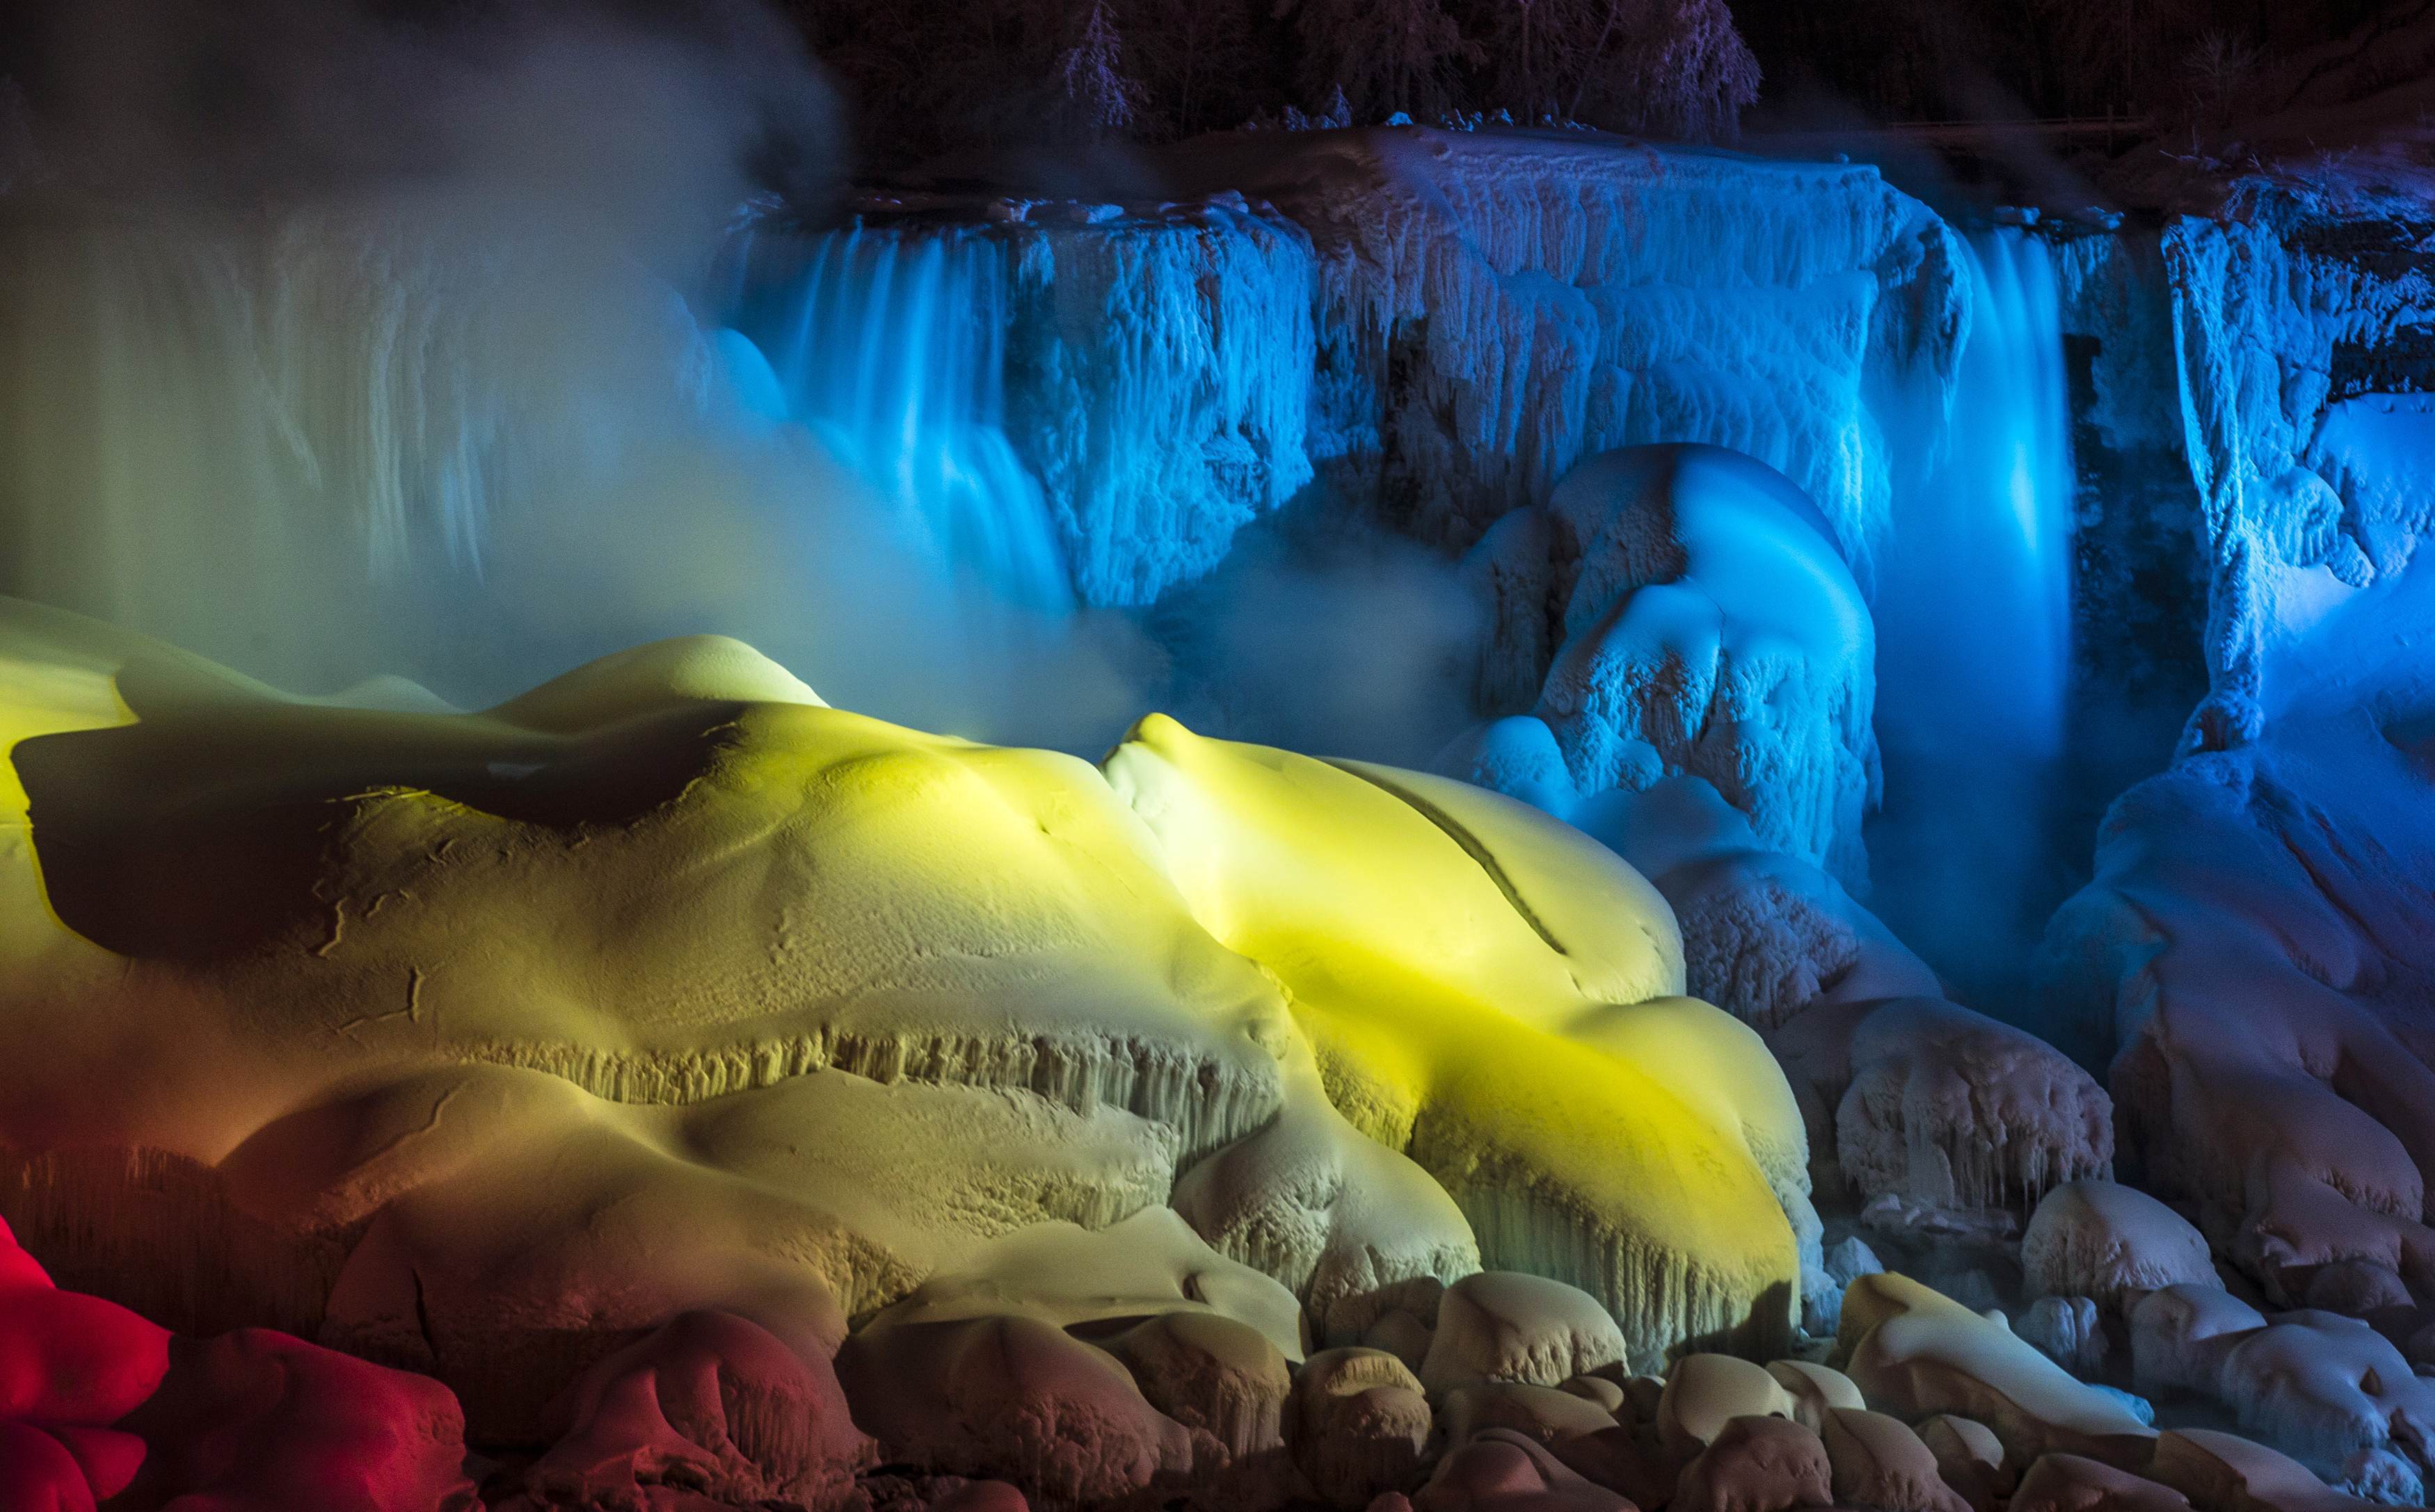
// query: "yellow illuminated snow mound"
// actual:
[[1501, 1000], [479, 1041]]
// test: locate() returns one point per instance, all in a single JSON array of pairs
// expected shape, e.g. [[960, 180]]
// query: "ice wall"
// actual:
[[1496, 305], [2302, 337], [1069, 391]]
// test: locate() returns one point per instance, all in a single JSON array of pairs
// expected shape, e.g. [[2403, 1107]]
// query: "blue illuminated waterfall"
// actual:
[[2010, 448], [1974, 634], [887, 344]]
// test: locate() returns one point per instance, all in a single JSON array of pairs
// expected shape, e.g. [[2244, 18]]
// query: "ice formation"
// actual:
[[1552, 995], [2247, 945], [1495, 307], [1910, 1099], [1107, 398], [783, 1012], [2101, 1241], [1692, 615], [2316, 1386], [1442, 323]]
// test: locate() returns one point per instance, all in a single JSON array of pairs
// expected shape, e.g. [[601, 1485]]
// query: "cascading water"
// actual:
[[888, 343], [1973, 635], [2010, 445]]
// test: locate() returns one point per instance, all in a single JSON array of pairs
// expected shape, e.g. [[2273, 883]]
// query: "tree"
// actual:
[[1202, 63], [1387, 55], [1100, 97], [1669, 68]]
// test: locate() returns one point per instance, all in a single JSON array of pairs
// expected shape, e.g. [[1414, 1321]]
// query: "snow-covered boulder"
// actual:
[[2075, 1483], [1915, 1353], [1502, 1470], [710, 1403], [1970, 1458], [1758, 1464], [1357, 1422], [2099, 1239], [1879, 1462], [1816, 1390], [1706, 1392], [1011, 1397], [1540, 1413], [1506, 1326]]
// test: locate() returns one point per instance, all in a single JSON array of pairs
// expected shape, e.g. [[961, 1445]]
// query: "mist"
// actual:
[[339, 345], [425, 385]]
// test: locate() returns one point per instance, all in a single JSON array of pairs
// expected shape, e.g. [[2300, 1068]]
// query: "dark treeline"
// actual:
[[926, 75], [2166, 61], [921, 77]]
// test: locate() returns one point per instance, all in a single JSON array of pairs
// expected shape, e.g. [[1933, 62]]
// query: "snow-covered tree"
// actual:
[[1099, 96], [1669, 68]]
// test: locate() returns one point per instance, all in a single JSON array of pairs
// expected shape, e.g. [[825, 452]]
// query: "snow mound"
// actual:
[[2249, 949], [1564, 1002], [1907, 1099], [1700, 622], [486, 1043], [2099, 1240]]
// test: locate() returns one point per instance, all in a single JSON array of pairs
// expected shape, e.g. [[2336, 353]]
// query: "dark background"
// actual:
[[920, 78]]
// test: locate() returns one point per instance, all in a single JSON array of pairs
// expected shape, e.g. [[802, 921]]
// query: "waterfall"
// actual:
[[1974, 634], [888, 345], [2012, 444]]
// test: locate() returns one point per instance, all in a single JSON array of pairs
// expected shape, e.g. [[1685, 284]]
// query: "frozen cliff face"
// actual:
[[2249, 962], [1494, 306], [2139, 549], [1138, 382], [2303, 340]]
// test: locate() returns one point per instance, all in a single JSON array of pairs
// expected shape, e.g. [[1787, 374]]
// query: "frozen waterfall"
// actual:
[[889, 344], [1973, 622]]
